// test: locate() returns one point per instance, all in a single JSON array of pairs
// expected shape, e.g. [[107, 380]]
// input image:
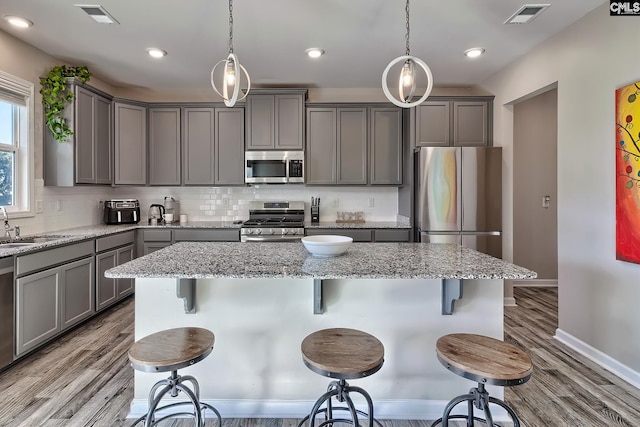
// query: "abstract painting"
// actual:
[[628, 173]]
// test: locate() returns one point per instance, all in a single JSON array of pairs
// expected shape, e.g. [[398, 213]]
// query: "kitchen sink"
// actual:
[[14, 245], [28, 241]]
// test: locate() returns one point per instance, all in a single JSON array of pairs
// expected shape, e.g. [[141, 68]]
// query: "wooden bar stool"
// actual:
[[171, 350], [341, 354], [487, 361]]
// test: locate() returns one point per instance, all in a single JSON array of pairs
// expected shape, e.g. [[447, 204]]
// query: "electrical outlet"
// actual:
[[225, 201], [39, 206], [335, 203], [58, 205], [372, 202]]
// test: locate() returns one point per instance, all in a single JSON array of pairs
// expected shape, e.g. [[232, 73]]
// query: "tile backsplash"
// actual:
[[231, 203], [64, 208]]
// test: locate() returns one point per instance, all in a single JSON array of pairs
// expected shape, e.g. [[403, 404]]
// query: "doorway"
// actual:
[[535, 183]]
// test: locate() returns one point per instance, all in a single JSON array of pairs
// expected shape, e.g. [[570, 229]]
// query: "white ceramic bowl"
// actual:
[[327, 245]]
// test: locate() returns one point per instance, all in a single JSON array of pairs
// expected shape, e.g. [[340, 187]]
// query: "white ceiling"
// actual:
[[270, 37]]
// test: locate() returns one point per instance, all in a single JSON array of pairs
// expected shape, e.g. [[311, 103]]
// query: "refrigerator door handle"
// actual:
[[481, 233]]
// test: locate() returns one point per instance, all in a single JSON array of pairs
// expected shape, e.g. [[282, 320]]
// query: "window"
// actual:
[[16, 142]]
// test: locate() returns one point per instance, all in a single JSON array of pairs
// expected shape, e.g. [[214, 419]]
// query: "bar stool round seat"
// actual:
[[484, 360], [342, 354], [168, 351]]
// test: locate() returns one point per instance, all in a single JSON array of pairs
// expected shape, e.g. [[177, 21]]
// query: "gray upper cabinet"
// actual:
[[130, 142], [470, 123], [86, 157], [229, 146], [321, 146], [385, 146], [354, 146], [433, 123], [198, 146], [164, 146], [213, 146], [275, 121], [454, 122]]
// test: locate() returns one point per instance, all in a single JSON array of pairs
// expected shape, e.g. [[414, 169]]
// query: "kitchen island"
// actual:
[[262, 299]]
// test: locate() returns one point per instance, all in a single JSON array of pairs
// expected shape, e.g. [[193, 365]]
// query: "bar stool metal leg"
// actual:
[[340, 390], [477, 397], [172, 386]]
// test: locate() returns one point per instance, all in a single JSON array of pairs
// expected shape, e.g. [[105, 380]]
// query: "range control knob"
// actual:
[[248, 231], [258, 231], [271, 231], [285, 231]]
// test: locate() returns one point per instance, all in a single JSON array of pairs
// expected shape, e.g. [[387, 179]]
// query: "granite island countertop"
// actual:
[[208, 260]]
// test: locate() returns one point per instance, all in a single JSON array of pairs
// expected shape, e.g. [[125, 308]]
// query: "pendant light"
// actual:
[[407, 78], [232, 73]]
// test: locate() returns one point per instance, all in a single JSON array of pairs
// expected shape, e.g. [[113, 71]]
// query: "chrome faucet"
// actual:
[[7, 227]]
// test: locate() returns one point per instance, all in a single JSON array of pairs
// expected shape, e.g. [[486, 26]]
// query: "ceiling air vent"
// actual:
[[98, 13], [526, 13]]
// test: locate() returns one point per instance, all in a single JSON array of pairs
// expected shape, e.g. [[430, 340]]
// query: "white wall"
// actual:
[[598, 296]]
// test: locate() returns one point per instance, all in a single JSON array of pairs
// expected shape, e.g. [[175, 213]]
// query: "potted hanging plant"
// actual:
[[56, 95]]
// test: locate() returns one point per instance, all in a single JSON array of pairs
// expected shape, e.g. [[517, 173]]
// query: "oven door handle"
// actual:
[[271, 239]]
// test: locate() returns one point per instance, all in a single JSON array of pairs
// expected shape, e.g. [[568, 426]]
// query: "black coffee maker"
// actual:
[[156, 214]]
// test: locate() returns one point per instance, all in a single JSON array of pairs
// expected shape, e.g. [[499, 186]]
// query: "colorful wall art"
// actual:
[[628, 173]]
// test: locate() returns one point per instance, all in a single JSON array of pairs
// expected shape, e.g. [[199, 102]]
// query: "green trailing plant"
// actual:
[[56, 95]]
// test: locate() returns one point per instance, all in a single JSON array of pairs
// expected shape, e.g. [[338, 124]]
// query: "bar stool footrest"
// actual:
[[203, 406]]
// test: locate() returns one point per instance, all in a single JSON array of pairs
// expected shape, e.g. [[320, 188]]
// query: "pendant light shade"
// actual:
[[232, 78], [407, 77]]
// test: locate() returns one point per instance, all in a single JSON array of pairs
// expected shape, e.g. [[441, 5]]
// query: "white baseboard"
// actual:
[[536, 283], [597, 356], [510, 302], [410, 409]]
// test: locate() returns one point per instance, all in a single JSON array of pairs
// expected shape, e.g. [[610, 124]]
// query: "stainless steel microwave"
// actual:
[[274, 167]]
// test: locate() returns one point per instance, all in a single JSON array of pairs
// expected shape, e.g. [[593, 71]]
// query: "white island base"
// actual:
[[256, 368]]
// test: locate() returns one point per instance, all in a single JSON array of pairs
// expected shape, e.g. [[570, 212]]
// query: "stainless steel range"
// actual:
[[273, 222]]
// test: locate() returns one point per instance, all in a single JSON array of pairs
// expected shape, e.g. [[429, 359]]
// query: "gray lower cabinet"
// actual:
[[364, 234], [164, 146], [49, 301], [206, 235], [213, 146], [86, 157], [153, 240], [112, 251], [130, 144], [358, 235], [275, 121], [454, 122]]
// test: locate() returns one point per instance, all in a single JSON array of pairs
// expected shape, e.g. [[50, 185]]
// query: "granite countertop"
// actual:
[[203, 260], [367, 225]]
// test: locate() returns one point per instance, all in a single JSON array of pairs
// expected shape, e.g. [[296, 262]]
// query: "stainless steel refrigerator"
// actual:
[[458, 197]]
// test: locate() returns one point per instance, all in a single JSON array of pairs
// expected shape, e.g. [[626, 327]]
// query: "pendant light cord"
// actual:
[[407, 36], [231, 26]]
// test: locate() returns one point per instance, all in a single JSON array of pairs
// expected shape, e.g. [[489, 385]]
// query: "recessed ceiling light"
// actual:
[[156, 53], [17, 21], [474, 52], [315, 52]]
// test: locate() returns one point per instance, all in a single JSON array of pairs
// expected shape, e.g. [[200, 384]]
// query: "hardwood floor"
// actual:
[[84, 378]]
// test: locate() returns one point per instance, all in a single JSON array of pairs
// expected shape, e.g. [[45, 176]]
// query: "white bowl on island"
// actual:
[[327, 245]]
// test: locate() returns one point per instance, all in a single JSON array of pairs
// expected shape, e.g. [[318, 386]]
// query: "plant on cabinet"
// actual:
[[55, 96]]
